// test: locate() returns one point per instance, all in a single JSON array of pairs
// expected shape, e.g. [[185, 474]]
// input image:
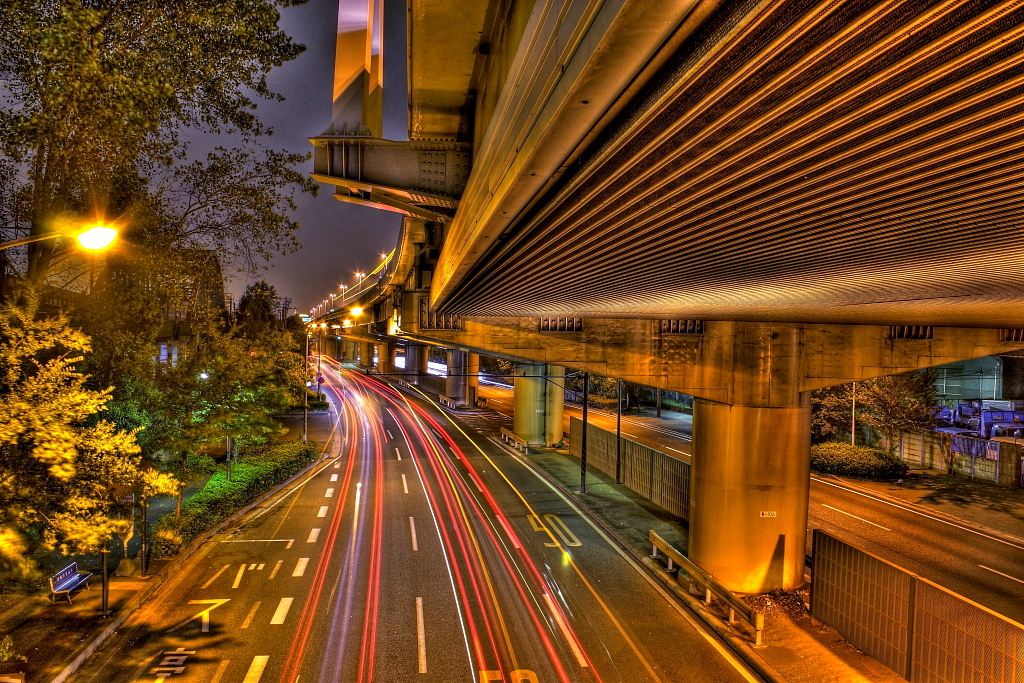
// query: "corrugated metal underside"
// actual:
[[840, 161]]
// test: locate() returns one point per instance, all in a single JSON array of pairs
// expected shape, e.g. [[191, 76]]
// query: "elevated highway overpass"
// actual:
[[743, 201]]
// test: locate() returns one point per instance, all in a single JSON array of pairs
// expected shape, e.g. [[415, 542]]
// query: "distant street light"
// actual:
[[357, 311]]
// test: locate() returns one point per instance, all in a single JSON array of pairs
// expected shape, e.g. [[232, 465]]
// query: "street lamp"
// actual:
[[96, 238]]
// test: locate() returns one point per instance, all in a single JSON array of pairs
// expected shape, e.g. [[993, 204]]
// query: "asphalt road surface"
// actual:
[[414, 551], [986, 568]]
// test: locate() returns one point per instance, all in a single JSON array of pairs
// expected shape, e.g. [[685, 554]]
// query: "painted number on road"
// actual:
[[768, 513], [564, 533], [517, 676]]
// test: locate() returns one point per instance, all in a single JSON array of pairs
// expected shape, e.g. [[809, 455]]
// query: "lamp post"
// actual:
[[305, 391], [583, 439], [96, 238]]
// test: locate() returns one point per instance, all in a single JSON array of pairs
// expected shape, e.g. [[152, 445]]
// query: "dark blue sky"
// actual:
[[337, 239]]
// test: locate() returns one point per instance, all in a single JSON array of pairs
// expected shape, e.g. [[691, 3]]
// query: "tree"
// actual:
[[898, 403], [831, 412], [59, 467], [258, 310], [94, 88]]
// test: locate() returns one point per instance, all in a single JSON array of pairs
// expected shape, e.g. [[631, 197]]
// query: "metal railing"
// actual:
[[709, 584], [508, 435]]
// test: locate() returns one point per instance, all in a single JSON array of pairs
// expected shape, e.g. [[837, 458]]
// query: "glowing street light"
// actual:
[[357, 311], [96, 238]]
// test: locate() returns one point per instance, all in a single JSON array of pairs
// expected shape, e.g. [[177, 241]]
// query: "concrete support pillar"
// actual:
[[529, 403], [473, 378], [749, 483], [385, 352], [412, 363], [554, 405], [455, 387], [424, 352], [365, 355]]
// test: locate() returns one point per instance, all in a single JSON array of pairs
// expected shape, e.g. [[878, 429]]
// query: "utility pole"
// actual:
[[105, 588], [583, 439], [853, 418], [305, 390], [145, 536], [618, 432], [657, 394]]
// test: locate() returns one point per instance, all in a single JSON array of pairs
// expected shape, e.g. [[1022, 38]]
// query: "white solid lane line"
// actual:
[[255, 672], [854, 516], [334, 477], [412, 528], [214, 577], [421, 638], [282, 611], [252, 613], [300, 566], [238, 576], [313, 535], [323, 510], [405, 484], [329, 494], [676, 450], [276, 569], [996, 571]]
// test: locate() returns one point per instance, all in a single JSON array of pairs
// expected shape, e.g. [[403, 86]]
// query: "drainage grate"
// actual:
[[561, 325], [682, 327], [911, 332]]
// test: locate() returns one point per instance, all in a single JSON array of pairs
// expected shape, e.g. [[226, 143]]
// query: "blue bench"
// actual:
[[67, 581]]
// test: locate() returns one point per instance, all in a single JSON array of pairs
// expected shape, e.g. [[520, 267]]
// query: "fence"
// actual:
[[657, 476], [996, 461], [922, 631]]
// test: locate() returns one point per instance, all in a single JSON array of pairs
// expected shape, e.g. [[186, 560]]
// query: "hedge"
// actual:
[[255, 473], [856, 461]]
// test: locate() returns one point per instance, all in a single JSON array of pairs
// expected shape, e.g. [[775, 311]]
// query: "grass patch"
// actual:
[[856, 461], [257, 472]]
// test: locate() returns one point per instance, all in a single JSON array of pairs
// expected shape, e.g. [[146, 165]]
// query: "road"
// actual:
[[665, 432], [986, 568], [413, 551]]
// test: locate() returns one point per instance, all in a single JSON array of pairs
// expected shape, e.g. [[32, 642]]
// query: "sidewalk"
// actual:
[[798, 647], [51, 636]]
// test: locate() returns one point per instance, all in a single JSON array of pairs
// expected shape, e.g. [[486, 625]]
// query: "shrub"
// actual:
[[856, 461], [256, 472]]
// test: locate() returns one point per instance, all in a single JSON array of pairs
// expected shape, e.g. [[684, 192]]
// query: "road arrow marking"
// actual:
[[204, 615]]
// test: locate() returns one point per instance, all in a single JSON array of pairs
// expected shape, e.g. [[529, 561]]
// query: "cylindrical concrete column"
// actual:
[[365, 355], [455, 387], [749, 483], [529, 403], [554, 405], [472, 378], [412, 363], [424, 363], [384, 356]]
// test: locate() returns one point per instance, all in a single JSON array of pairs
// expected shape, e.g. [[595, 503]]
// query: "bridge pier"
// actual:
[[749, 483], [472, 378], [365, 355], [538, 403], [385, 358], [455, 386], [412, 363]]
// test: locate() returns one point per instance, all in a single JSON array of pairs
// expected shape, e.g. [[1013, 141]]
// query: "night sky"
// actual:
[[337, 239]]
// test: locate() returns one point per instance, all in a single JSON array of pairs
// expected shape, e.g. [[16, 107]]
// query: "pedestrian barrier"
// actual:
[[710, 586], [67, 581], [447, 402], [920, 630], [517, 441]]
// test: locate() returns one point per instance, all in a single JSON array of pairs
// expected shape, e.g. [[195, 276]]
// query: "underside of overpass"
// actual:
[[743, 201]]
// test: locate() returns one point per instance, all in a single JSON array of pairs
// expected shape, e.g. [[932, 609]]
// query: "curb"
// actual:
[[158, 579], [738, 645], [923, 509]]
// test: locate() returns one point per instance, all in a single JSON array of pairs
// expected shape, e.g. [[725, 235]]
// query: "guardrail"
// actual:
[[710, 585], [447, 402], [507, 435]]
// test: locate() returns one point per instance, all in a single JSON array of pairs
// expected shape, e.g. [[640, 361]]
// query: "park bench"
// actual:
[[66, 581]]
